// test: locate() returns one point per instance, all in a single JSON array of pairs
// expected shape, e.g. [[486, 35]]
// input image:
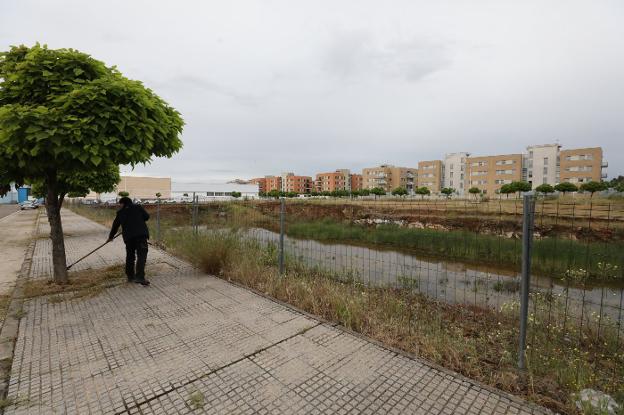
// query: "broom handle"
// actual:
[[92, 251]]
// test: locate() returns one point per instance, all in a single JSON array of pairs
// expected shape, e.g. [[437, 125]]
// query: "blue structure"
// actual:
[[22, 194]]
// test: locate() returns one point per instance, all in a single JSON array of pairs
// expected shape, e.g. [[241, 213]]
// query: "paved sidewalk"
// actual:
[[192, 343], [16, 231]]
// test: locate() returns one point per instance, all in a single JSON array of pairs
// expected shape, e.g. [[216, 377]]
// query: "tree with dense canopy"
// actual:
[[399, 191], [236, 195], [474, 191], [520, 186], [506, 190], [422, 191], [378, 191], [593, 187], [447, 191], [565, 187], [545, 189], [81, 183], [63, 113], [274, 194], [123, 193]]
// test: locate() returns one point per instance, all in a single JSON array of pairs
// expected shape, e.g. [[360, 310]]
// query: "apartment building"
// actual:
[[430, 175], [260, 182], [297, 184], [541, 164], [455, 171], [581, 165], [337, 180], [272, 183], [356, 181], [389, 177], [489, 173]]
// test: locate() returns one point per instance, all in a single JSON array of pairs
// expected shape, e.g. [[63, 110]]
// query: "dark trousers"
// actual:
[[136, 249]]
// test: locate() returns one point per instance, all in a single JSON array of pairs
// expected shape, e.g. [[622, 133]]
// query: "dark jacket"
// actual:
[[132, 220]]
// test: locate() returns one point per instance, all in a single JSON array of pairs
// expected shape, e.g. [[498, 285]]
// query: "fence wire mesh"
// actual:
[[452, 263]]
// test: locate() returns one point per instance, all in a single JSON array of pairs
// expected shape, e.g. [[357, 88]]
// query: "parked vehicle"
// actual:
[[28, 204]]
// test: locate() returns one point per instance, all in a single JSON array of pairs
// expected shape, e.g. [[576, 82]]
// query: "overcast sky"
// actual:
[[310, 86]]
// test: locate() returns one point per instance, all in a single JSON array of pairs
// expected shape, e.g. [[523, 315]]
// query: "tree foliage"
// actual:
[[447, 191], [565, 187], [617, 182], [593, 187], [63, 114], [378, 191], [521, 186], [545, 188], [123, 193], [474, 191], [399, 191], [236, 195], [274, 194], [507, 189], [422, 191]]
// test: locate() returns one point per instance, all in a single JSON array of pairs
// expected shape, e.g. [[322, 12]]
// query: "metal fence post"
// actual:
[[158, 220], [527, 244], [281, 237], [194, 214]]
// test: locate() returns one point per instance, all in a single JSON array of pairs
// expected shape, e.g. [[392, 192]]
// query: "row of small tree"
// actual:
[[506, 189]]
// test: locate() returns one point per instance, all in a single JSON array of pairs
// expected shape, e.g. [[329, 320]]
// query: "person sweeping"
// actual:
[[132, 218]]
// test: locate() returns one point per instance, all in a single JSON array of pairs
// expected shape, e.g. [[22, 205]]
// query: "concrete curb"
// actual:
[[10, 326]]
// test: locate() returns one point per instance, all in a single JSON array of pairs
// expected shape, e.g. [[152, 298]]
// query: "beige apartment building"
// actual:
[[430, 175], [145, 187], [581, 165], [489, 173], [389, 177]]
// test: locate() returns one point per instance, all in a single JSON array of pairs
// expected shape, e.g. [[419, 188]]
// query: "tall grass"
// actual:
[[479, 343], [551, 256]]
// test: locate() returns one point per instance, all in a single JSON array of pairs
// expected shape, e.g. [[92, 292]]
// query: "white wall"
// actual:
[[455, 171], [536, 164]]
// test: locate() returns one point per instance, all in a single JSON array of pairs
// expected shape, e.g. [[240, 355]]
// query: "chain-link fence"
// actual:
[[463, 256]]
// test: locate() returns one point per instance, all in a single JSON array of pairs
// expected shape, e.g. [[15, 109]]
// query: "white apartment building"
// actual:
[[541, 164], [455, 170]]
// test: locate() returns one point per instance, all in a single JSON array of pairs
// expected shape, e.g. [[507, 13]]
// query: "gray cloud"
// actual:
[[354, 54], [315, 86]]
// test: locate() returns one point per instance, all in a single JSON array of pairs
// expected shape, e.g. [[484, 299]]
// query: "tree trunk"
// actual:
[[53, 208]]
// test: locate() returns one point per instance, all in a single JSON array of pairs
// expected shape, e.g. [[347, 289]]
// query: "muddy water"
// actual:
[[447, 281]]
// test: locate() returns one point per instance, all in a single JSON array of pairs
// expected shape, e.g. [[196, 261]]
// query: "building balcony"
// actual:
[[603, 175], [604, 164]]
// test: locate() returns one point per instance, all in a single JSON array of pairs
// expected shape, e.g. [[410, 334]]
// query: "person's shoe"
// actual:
[[142, 281], [130, 279]]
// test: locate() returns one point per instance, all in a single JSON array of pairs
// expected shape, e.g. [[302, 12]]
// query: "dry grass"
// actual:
[[82, 284]]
